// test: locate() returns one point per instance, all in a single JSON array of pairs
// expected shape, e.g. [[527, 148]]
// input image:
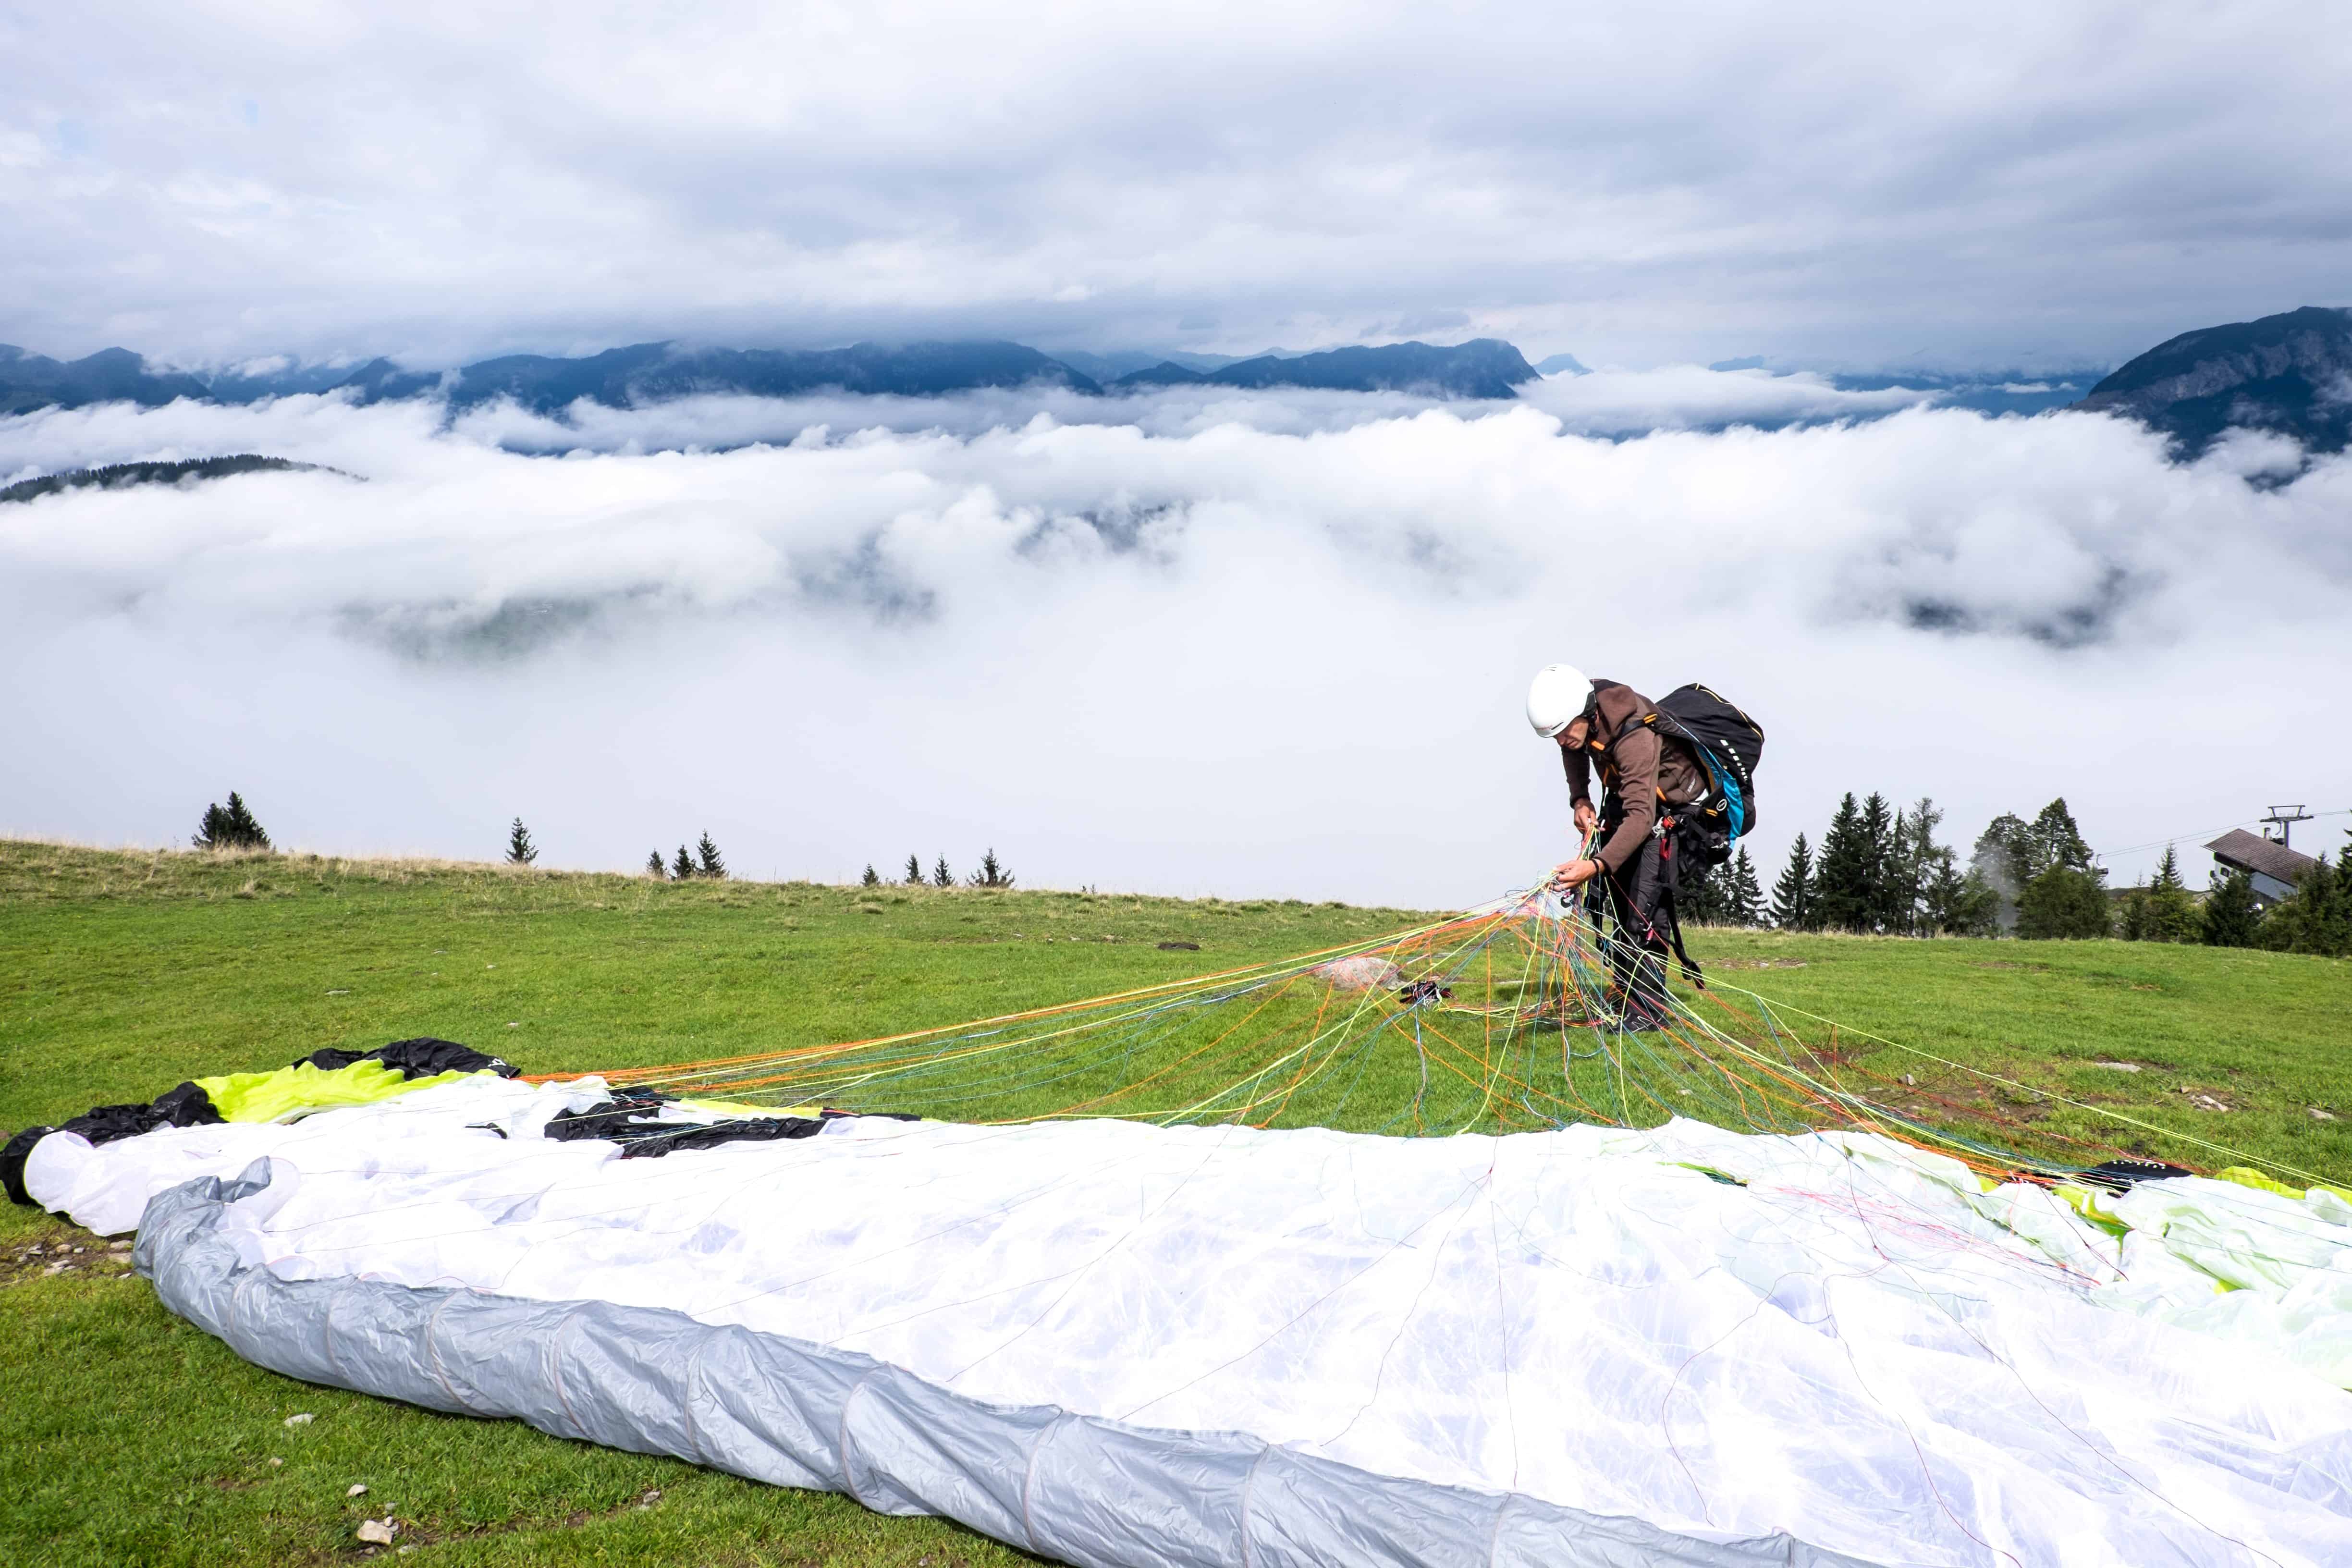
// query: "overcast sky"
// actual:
[[1991, 183]]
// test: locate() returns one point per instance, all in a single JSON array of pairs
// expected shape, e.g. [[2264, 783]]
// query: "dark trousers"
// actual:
[[1637, 899]]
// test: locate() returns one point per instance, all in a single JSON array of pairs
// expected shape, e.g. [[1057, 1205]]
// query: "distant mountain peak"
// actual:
[[2290, 375]]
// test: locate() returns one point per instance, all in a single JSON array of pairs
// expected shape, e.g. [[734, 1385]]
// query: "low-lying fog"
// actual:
[[1202, 642]]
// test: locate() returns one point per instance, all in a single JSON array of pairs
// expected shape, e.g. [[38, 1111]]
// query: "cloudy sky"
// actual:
[[1199, 641], [2006, 182]]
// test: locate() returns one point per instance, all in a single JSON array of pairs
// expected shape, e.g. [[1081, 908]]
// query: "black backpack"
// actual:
[[1729, 745]]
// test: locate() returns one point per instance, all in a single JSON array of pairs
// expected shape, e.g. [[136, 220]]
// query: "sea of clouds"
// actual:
[[1203, 642]]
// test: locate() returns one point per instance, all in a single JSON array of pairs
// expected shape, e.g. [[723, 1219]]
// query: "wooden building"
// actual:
[[2275, 867]]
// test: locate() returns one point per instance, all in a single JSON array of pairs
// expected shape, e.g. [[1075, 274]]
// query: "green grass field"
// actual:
[[129, 1437]]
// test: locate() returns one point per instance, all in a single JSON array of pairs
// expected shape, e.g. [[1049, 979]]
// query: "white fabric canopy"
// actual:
[[1835, 1337]]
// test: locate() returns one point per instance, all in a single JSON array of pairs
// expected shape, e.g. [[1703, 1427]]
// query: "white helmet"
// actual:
[[1557, 698]]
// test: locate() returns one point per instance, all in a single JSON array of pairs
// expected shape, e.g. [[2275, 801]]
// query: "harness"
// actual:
[[1662, 836]]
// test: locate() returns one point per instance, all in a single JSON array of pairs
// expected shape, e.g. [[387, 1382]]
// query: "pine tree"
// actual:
[[2055, 840], [520, 850], [2064, 903], [1882, 847], [940, 876], [1899, 900], [1700, 903], [2172, 910], [654, 867], [2002, 862], [1953, 904], [991, 873], [230, 828], [681, 868], [1841, 877], [2316, 917], [2232, 914], [708, 863], [2132, 921], [1976, 909], [242, 826], [914, 872], [1744, 899], [1792, 895], [872, 878], [1916, 862]]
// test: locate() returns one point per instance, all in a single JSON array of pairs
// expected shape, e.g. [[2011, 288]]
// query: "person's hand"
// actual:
[[1572, 874], [1585, 817]]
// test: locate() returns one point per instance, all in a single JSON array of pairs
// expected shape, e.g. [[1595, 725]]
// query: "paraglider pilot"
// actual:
[[1599, 724]]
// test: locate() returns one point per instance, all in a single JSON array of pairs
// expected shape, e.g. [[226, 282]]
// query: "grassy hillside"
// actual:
[[123, 974]]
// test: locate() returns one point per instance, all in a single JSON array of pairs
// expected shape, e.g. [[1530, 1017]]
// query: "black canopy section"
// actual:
[[2116, 1175], [749, 1130], [613, 1118], [187, 1106], [422, 1057], [631, 1119], [12, 1162]]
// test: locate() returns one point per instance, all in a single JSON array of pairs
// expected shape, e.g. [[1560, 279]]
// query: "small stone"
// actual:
[[301, 1418], [514, 1026], [276, 1463], [1910, 1082], [377, 1532], [358, 1488], [2121, 1066], [117, 1247], [343, 993], [651, 1496], [2318, 1115]]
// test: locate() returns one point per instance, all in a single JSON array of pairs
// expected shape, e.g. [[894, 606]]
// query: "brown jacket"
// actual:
[[1638, 769]]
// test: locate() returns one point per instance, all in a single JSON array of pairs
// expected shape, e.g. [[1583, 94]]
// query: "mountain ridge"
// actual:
[[663, 371], [1481, 367], [177, 472], [2288, 374]]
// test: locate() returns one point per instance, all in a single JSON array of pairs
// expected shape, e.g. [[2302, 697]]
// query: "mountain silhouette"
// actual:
[[660, 372], [1483, 367], [30, 381], [2290, 375], [657, 372]]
